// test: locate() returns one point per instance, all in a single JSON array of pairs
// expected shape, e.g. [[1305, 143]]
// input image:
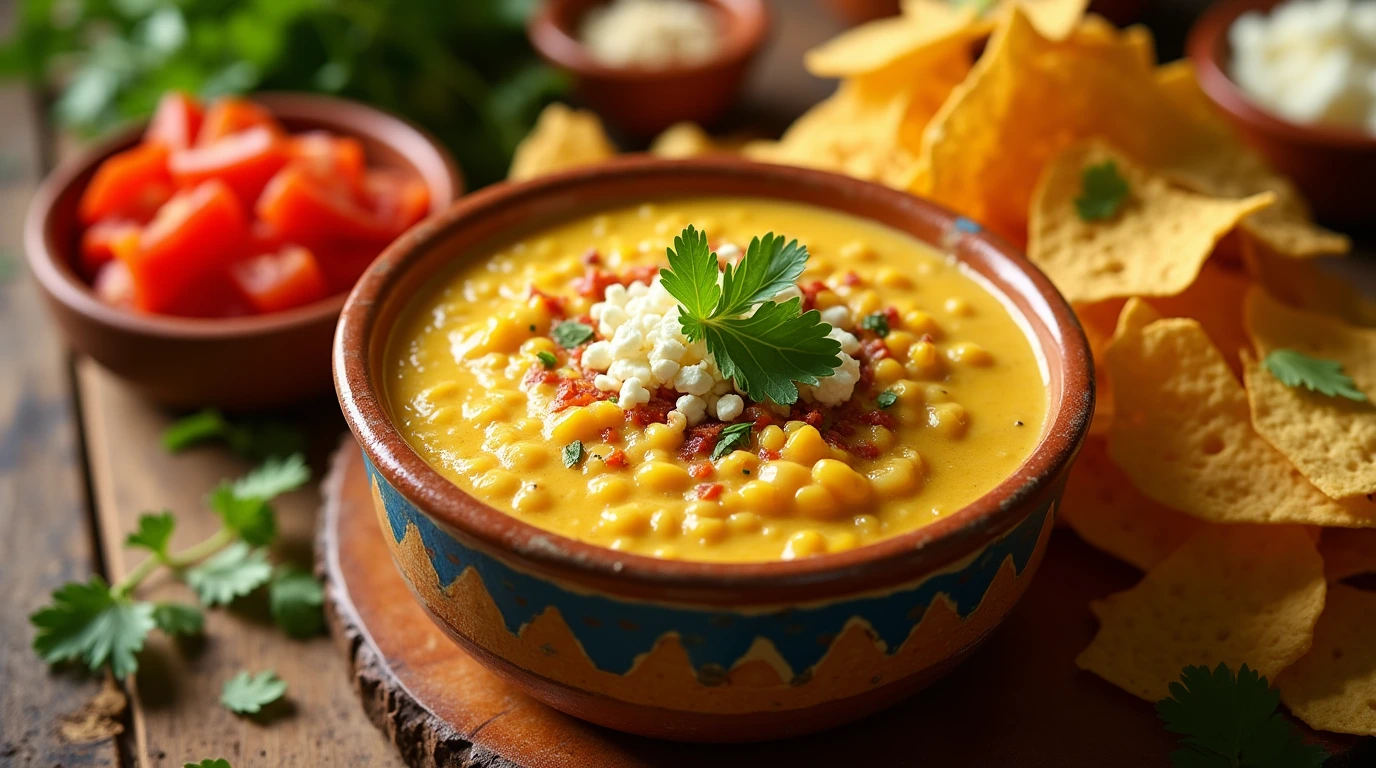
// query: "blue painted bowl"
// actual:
[[707, 651]]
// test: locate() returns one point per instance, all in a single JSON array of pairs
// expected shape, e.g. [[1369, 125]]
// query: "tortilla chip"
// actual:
[[1333, 687], [1183, 434], [1153, 246], [682, 140], [1053, 18], [562, 138], [1348, 552], [1215, 300], [1319, 284], [1101, 505], [882, 43], [1231, 594], [1332, 440]]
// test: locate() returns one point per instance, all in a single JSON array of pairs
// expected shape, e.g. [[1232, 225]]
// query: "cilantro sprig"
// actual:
[[1228, 720], [1316, 374], [1103, 190], [732, 437], [768, 352], [253, 440], [246, 694]]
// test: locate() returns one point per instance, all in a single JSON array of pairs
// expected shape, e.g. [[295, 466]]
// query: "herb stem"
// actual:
[[189, 556]]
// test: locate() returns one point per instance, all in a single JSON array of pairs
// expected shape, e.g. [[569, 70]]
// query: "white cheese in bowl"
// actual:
[[653, 34]]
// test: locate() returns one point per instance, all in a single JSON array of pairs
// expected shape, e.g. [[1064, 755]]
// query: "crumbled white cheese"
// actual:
[[650, 33], [729, 407], [632, 393]]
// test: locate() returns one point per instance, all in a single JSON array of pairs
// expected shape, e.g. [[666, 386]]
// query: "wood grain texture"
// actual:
[[47, 532], [177, 716]]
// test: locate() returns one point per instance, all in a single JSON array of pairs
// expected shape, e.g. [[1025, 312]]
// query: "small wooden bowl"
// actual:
[[641, 101], [237, 363], [693, 650], [1332, 165]]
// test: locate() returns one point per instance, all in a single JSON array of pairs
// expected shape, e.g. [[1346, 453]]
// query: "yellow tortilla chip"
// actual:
[[685, 139], [1183, 434], [1232, 593], [1215, 300], [1052, 18], [1332, 440], [1333, 687], [1348, 552], [1154, 245], [562, 138], [885, 42], [1102, 506], [1320, 284]]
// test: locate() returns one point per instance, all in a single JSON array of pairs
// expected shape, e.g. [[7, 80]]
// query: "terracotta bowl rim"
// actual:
[[560, 47], [1207, 49], [65, 286], [940, 542]]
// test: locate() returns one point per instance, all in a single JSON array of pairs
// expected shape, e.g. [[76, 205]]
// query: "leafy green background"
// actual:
[[461, 68]]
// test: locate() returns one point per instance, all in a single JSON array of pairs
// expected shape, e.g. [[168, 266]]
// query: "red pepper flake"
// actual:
[[807, 412], [710, 491], [760, 416], [616, 459], [656, 411], [926, 338], [611, 436], [810, 291], [766, 454], [865, 450], [892, 316], [573, 392], [594, 282], [538, 375], [700, 470], [700, 440], [645, 273], [851, 279], [878, 419], [835, 439], [554, 305], [874, 349], [591, 257]]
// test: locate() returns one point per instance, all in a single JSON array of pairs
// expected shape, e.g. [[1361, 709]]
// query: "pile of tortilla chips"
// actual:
[[1243, 500]]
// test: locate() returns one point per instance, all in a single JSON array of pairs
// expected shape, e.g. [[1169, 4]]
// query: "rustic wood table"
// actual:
[[80, 459]]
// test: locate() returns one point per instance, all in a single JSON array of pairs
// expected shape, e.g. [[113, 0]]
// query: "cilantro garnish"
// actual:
[[274, 478], [547, 359], [246, 694], [297, 602], [885, 399], [573, 454], [256, 441], [89, 622], [234, 572], [1102, 192], [178, 618], [154, 533], [732, 437], [570, 334], [218, 762], [768, 351], [1231, 720], [877, 322], [1296, 369]]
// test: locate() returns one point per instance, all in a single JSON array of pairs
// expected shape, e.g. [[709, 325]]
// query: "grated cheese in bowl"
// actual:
[[654, 34]]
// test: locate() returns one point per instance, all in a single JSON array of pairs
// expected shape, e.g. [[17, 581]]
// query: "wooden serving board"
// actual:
[[1019, 701]]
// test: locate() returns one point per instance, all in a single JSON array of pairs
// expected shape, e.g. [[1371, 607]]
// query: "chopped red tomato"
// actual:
[[132, 184], [230, 115], [97, 243], [179, 262], [276, 281], [245, 161], [328, 156], [617, 459], [307, 211], [398, 199], [176, 121], [709, 491]]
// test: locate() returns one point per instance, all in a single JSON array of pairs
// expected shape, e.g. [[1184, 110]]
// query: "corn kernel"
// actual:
[[805, 446], [804, 544], [866, 525], [712, 509], [840, 542], [793, 426], [705, 529], [827, 299], [662, 476], [755, 496], [771, 438], [538, 344], [908, 391], [866, 303], [476, 465], [924, 362], [847, 485], [787, 476], [743, 522], [892, 278], [816, 502], [578, 424], [606, 414], [663, 437], [857, 250], [626, 520], [441, 391], [970, 353], [949, 419], [920, 322], [887, 371], [504, 334], [958, 307], [881, 438], [894, 478], [532, 498], [523, 457], [608, 489], [667, 523], [898, 342], [737, 463], [497, 482]]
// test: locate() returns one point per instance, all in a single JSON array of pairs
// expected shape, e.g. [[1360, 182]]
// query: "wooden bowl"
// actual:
[[1332, 165], [641, 101], [237, 363], [692, 650]]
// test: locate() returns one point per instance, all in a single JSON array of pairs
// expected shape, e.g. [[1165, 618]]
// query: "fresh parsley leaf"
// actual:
[[573, 454], [877, 322], [251, 518], [570, 334], [86, 622], [153, 534], [199, 427], [547, 359], [885, 399], [1102, 192], [246, 694], [692, 273], [732, 437], [614, 398], [178, 618], [1231, 720], [1296, 369], [273, 478], [253, 441], [297, 602], [208, 763], [769, 266], [232, 573]]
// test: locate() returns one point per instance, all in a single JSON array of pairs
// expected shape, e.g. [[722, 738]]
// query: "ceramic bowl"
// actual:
[[641, 101], [233, 363], [1332, 165], [691, 650]]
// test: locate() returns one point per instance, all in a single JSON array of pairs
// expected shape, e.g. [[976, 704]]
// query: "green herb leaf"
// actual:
[[1296, 369], [232, 573], [246, 694], [613, 399], [178, 618], [297, 602], [573, 454], [692, 274], [153, 534], [732, 437], [570, 334], [208, 763], [88, 623], [1231, 720], [769, 266], [253, 441], [877, 322], [273, 478], [252, 519], [1102, 192], [885, 399], [547, 359]]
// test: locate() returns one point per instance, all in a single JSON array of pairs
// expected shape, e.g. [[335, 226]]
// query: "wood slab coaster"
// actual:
[[1019, 701]]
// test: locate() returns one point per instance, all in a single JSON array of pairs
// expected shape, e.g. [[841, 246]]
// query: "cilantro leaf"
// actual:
[[219, 762], [547, 359], [732, 437], [1317, 374], [178, 618], [254, 441], [885, 399], [573, 454], [273, 478], [297, 602], [1231, 720], [769, 266], [246, 694], [570, 334], [1102, 192], [877, 322], [154, 533], [692, 273], [252, 519], [772, 349], [232, 573], [86, 622]]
